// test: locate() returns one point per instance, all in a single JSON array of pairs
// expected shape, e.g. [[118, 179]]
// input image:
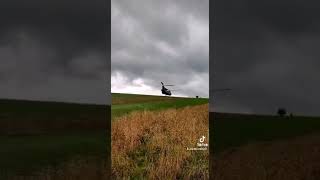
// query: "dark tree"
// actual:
[[282, 112]]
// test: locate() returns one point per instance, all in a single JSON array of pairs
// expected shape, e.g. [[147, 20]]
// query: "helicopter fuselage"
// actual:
[[166, 91]]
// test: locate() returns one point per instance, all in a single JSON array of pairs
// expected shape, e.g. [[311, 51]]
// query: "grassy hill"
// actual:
[[264, 147], [233, 130], [35, 135], [123, 104], [35, 117]]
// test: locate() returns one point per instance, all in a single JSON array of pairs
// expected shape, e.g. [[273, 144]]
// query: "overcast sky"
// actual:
[[154, 41], [268, 53], [55, 50]]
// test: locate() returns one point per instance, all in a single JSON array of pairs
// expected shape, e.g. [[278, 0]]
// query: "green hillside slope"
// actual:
[[125, 103]]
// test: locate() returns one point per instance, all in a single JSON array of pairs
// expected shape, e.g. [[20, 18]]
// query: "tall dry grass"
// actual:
[[293, 159], [153, 144], [76, 169]]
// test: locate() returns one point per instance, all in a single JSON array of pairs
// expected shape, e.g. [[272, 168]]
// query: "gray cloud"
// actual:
[[154, 41], [267, 53], [55, 50]]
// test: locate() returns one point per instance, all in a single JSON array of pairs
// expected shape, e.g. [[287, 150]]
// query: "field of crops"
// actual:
[[150, 136], [37, 136], [264, 147], [233, 130], [46, 140]]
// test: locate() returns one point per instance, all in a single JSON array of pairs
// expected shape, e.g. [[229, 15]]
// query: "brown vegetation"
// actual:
[[294, 159], [77, 169], [153, 145]]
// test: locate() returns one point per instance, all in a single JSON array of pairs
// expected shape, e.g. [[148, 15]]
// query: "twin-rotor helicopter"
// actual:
[[167, 92]]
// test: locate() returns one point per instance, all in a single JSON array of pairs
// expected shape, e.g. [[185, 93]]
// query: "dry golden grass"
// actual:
[[77, 169], [153, 145], [295, 159]]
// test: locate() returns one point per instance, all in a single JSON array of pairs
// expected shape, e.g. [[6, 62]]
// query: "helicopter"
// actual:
[[165, 91]]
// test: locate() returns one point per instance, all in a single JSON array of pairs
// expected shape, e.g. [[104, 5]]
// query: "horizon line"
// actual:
[[53, 101], [157, 95]]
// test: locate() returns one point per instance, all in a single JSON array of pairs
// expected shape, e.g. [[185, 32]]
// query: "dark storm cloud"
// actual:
[[55, 50], [154, 41], [267, 52]]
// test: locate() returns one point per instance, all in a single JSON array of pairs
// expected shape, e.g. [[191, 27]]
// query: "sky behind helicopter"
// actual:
[[267, 52], [55, 50], [154, 41]]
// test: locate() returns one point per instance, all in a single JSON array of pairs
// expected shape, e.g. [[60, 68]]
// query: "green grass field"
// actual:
[[36, 135], [26, 154], [234, 130], [123, 104], [33, 117]]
